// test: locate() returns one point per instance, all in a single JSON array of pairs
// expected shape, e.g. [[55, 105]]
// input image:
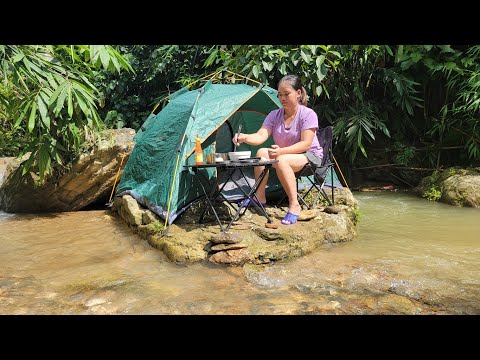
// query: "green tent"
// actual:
[[155, 175]]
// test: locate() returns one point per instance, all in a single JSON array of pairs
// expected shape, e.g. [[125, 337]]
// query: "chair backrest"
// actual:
[[325, 138]]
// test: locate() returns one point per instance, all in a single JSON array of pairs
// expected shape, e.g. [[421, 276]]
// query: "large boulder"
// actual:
[[249, 240], [89, 181], [455, 186]]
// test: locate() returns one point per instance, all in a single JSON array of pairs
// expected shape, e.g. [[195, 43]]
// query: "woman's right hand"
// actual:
[[239, 138]]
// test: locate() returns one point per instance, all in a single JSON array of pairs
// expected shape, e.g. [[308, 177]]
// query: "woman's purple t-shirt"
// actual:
[[305, 118]]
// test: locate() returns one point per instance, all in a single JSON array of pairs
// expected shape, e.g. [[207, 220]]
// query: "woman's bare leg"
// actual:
[[286, 168], [263, 152]]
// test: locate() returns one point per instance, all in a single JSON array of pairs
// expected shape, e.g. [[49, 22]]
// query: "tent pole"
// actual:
[[173, 183], [212, 75], [243, 77], [206, 76]]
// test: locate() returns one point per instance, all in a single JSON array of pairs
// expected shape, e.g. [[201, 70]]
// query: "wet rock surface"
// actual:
[[248, 240]]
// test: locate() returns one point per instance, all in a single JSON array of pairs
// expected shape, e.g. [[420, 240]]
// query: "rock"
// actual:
[[89, 181], [230, 257], [226, 237], [308, 214], [334, 209], [223, 247], [270, 234], [149, 217], [188, 242], [271, 225], [454, 186], [133, 214]]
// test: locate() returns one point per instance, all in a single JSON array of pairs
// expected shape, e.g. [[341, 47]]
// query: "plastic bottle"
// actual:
[[198, 152]]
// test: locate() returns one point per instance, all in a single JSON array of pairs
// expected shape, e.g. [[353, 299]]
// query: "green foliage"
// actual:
[[357, 215], [434, 177], [466, 106], [354, 127], [451, 172], [371, 97], [419, 93], [12, 141], [433, 193], [55, 102], [314, 64], [159, 71], [404, 154], [156, 226]]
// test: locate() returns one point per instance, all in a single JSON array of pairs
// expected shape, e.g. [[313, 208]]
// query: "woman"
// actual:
[[293, 127]]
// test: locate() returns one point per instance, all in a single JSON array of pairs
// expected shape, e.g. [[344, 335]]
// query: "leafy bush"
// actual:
[[433, 193], [11, 142]]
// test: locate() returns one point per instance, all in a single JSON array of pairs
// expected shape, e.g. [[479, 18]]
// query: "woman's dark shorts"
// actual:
[[313, 159], [316, 161]]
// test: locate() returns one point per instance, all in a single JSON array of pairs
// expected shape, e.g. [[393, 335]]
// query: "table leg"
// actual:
[[208, 200], [250, 195]]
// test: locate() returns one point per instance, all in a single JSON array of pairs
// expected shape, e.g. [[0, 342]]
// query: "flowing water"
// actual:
[[412, 256]]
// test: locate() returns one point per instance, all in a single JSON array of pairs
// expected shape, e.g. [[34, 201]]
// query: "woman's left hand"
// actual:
[[274, 151]]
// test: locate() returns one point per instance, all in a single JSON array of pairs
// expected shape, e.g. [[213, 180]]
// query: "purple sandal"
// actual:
[[291, 218], [246, 203]]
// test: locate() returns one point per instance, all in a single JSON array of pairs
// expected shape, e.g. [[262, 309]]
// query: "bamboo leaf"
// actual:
[[58, 158], [114, 61], [359, 142], [210, 58], [399, 54], [42, 109], [27, 64], [18, 57], [28, 164], [363, 150], [70, 102], [120, 59], [81, 102], [61, 101], [60, 146], [55, 94], [22, 115], [367, 126], [104, 58], [52, 81], [31, 120], [44, 161], [85, 94]]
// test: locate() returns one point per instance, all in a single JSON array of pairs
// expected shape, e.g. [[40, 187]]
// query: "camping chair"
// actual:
[[319, 173]]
